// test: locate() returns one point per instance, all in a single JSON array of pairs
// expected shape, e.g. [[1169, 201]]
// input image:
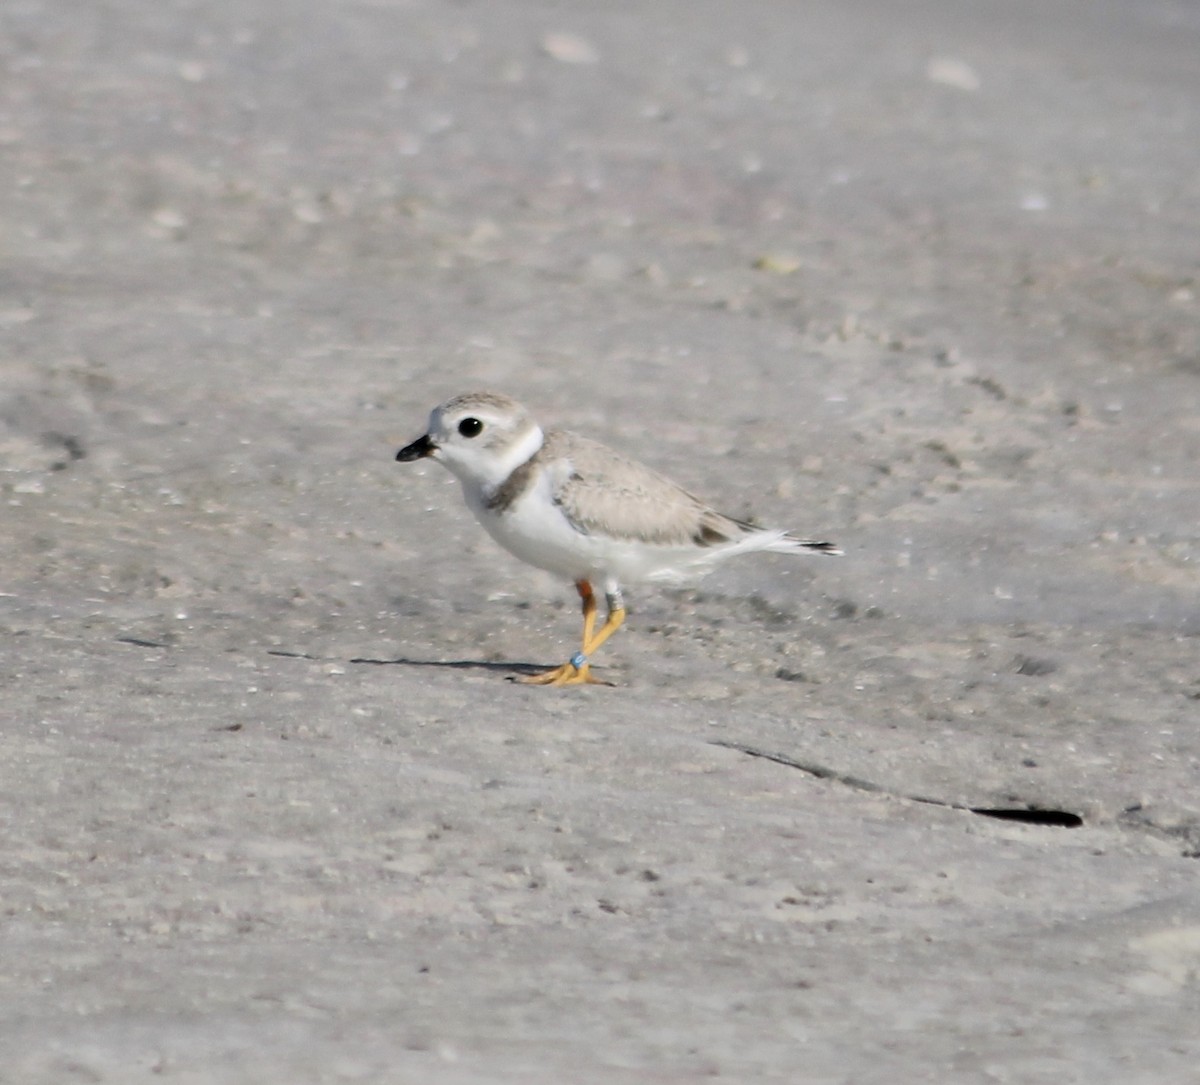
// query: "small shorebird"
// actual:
[[577, 508]]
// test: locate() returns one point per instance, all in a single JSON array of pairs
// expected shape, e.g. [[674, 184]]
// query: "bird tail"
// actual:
[[696, 563], [791, 543]]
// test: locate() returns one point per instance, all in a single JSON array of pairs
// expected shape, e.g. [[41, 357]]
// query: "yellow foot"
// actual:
[[566, 675]]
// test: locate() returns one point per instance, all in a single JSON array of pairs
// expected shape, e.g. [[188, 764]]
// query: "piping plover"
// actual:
[[574, 507]]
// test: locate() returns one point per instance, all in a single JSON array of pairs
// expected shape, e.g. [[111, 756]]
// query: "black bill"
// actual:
[[419, 449]]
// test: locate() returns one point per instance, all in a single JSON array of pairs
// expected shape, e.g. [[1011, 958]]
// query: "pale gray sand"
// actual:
[[923, 281]]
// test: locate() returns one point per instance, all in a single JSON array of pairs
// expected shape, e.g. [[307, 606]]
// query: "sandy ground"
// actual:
[[920, 278]]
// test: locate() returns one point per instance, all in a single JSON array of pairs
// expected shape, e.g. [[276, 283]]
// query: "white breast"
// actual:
[[535, 530]]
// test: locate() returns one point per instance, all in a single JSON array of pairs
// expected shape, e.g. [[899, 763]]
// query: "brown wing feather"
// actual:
[[610, 493]]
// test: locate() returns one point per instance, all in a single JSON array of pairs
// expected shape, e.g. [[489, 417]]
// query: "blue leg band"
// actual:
[[578, 661]]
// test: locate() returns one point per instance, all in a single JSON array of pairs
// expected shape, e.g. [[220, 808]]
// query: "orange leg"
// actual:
[[577, 671]]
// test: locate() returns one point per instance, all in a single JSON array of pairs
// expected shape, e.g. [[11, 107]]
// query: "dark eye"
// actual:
[[470, 427]]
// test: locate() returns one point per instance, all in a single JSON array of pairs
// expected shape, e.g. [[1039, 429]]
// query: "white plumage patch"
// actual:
[[577, 508]]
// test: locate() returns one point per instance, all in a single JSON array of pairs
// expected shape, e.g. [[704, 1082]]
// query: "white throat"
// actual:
[[519, 452], [487, 474]]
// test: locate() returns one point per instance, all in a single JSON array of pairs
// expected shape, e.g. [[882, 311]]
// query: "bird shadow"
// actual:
[[511, 668]]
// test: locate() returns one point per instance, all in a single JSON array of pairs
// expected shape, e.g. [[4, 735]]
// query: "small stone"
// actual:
[[193, 71], [169, 219], [1035, 668], [568, 48], [951, 72], [607, 267], [308, 212], [777, 263]]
